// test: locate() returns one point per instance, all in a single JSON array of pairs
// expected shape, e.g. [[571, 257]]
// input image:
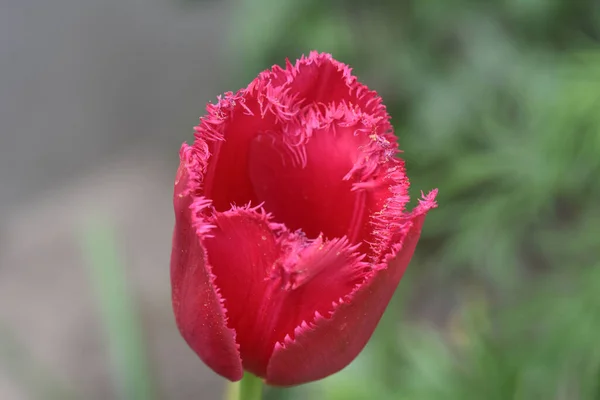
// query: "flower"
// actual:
[[291, 233]]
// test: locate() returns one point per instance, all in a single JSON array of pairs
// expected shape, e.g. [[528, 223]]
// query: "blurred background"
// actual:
[[495, 103]]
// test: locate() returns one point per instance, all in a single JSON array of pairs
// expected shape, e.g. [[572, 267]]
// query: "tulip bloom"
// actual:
[[291, 233]]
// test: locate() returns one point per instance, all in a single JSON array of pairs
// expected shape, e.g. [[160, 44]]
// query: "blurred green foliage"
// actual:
[[497, 105], [131, 372]]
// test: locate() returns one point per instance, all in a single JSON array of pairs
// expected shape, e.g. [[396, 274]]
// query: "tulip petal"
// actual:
[[226, 180], [197, 304], [328, 343], [310, 194], [280, 101], [272, 279], [242, 252], [312, 277], [319, 78]]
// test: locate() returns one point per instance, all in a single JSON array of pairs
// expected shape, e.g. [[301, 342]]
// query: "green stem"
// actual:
[[249, 388]]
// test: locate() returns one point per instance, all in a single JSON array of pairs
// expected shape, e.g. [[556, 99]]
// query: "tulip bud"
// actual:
[[291, 233]]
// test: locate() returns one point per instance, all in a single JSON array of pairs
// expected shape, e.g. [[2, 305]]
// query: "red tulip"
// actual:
[[291, 233]]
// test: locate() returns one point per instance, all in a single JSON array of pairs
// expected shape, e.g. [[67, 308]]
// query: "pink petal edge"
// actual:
[[307, 356], [197, 304]]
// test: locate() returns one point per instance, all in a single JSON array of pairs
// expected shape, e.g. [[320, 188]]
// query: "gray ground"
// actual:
[[95, 98]]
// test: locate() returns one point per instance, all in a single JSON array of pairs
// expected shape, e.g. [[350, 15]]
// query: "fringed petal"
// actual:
[[328, 342], [283, 102], [242, 250], [312, 277], [272, 279], [302, 183], [197, 304]]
